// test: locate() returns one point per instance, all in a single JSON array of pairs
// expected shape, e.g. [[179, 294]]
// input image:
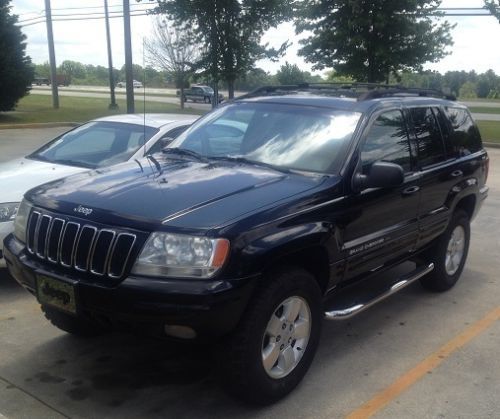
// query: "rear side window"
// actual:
[[465, 138], [430, 142]]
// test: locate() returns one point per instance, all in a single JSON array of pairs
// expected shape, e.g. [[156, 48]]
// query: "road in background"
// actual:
[[45, 373], [151, 96]]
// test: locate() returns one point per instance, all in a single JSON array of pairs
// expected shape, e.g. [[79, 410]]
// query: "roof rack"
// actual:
[[360, 91]]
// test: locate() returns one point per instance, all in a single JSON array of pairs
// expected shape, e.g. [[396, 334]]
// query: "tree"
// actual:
[[290, 74], [16, 70], [229, 32], [468, 90], [494, 7], [171, 49], [72, 69], [369, 39]]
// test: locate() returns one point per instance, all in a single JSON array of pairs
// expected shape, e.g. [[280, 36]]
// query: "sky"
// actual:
[[474, 38]]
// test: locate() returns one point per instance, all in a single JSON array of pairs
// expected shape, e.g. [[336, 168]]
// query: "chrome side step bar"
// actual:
[[404, 281]]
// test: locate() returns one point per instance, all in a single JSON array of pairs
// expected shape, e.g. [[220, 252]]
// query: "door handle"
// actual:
[[457, 173], [411, 190]]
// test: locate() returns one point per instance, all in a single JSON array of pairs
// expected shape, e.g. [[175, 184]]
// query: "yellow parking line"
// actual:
[[380, 400]]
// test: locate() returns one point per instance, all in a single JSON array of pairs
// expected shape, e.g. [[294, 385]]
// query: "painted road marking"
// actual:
[[380, 400]]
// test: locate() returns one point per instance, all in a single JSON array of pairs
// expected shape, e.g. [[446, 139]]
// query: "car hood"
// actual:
[[168, 191], [18, 176]]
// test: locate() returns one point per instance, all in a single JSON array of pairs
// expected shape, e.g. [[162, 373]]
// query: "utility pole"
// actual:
[[113, 104], [128, 57], [52, 56]]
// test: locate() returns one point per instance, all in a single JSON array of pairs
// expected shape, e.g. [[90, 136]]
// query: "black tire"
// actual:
[[241, 355], [73, 324], [185, 99], [207, 99], [440, 279]]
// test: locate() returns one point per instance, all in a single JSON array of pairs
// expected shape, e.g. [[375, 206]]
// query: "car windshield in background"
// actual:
[[96, 144], [286, 136], [209, 90]]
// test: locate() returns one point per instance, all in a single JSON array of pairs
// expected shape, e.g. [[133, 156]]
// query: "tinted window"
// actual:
[[465, 138], [303, 138], [430, 142], [170, 135], [387, 140]]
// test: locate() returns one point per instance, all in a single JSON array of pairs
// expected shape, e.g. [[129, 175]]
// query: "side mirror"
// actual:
[[382, 175]]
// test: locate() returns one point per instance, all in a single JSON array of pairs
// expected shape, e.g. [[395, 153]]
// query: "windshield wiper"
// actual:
[[244, 160], [184, 152]]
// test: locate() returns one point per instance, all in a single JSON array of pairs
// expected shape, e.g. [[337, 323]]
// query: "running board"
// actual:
[[404, 281]]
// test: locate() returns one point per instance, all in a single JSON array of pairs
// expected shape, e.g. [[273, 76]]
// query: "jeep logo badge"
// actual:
[[83, 210]]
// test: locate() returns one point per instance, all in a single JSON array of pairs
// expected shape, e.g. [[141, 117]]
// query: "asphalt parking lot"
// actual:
[[416, 355]]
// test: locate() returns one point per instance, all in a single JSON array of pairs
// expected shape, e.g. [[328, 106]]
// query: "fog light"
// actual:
[[177, 331]]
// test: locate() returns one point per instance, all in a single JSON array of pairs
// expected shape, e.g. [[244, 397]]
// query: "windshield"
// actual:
[[208, 90], [287, 136], [96, 144]]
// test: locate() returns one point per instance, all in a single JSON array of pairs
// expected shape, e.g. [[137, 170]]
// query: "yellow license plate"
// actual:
[[56, 293]]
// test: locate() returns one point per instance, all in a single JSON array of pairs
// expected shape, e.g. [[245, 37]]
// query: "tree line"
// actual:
[[464, 84]]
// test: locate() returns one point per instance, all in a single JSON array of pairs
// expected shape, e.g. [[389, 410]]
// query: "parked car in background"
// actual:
[[135, 83], [41, 80], [93, 145], [201, 94]]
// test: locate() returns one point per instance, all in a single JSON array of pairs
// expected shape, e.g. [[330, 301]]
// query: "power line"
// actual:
[[82, 18]]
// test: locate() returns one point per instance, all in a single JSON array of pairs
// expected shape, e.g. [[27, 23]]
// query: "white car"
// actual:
[[135, 83], [98, 143]]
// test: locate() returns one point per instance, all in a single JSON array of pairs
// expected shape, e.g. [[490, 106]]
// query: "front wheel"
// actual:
[[448, 254], [207, 99], [276, 340]]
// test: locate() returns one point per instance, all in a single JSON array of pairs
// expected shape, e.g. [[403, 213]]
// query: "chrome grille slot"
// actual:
[[101, 251], [66, 242], [43, 229], [54, 239], [84, 246], [120, 254], [32, 226]]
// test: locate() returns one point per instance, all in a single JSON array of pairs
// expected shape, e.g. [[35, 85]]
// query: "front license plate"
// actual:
[[56, 293]]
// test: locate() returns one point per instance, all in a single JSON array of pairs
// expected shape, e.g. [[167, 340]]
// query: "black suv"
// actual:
[[250, 228]]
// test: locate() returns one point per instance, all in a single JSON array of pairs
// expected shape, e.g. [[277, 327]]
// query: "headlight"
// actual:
[[21, 220], [176, 255], [8, 211]]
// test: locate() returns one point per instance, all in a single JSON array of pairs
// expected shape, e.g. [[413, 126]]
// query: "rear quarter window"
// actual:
[[465, 138]]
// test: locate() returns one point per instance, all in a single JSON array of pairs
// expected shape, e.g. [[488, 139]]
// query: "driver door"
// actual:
[[382, 223]]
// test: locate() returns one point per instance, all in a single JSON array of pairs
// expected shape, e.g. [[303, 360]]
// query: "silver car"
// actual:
[[97, 143]]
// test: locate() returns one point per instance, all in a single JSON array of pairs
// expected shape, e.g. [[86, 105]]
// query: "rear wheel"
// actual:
[[275, 342], [449, 254], [73, 324]]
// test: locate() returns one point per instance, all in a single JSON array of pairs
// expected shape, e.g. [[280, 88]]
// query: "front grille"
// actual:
[[80, 246]]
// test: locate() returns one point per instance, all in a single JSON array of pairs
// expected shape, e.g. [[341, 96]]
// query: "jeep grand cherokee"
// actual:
[[251, 224]]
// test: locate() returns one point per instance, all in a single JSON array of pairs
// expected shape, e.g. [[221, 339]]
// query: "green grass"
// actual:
[[464, 99], [490, 130], [481, 109], [38, 109]]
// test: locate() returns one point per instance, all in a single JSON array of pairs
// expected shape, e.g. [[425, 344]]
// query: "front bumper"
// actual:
[[212, 308]]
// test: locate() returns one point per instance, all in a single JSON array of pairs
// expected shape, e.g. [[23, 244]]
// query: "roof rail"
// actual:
[[360, 91]]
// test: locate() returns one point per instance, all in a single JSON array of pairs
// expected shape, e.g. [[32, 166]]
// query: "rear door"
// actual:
[[382, 222], [438, 169]]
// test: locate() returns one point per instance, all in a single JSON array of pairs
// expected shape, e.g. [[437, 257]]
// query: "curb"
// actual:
[[491, 144], [40, 125]]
